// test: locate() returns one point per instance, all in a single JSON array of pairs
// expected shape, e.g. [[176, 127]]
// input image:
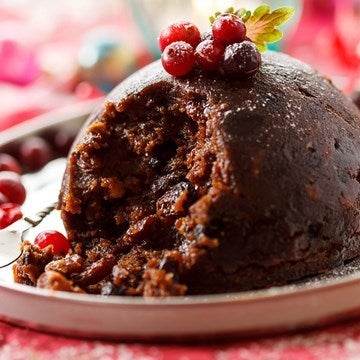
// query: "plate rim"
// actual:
[[273, 292]]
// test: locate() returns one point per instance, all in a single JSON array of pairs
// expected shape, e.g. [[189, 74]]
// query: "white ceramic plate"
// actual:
[[334, 296]]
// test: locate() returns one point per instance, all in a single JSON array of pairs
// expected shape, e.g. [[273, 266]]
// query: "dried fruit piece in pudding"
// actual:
[[55, 281]]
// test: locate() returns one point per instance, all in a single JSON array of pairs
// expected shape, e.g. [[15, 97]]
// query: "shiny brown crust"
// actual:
[[204, 184]]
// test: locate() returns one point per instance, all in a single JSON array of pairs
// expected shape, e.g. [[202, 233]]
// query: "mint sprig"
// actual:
[[262, 23]]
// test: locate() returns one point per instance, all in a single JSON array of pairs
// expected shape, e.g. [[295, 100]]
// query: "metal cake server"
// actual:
[[12, 236]]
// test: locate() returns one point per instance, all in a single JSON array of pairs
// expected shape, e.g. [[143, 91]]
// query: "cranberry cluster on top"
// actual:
[[226, 48]]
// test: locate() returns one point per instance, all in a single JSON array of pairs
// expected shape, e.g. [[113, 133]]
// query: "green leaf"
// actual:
[[213, 17], [261, 25], [243, 14], [229, 10]]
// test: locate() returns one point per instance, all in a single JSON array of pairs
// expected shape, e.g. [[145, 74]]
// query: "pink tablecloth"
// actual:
[[337, 342]]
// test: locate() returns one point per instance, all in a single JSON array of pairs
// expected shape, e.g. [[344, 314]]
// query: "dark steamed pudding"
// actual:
[[204, 184]]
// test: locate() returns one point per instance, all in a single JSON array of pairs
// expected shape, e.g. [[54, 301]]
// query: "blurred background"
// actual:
[[57, 53]]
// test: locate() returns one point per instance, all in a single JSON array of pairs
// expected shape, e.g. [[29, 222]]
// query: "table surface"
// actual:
[[339, 342]]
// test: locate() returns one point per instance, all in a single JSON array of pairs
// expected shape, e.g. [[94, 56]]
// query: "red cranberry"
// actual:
[[178, 58], [58, 241], [241, 60], [35, 152], [63, 140], [209, 54], [12, 187], [60, 140], [179, 31], [9, 213], [9, 163], [228, 29]]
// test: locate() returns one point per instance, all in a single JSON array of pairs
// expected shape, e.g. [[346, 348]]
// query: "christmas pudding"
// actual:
[[208, 183]]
